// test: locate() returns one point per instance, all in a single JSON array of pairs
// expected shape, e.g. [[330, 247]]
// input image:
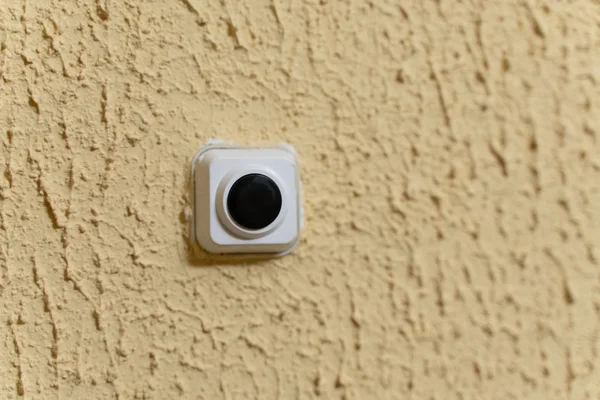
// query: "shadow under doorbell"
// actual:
[[246, 199]]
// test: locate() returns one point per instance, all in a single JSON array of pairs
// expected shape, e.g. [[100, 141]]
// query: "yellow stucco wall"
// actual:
[[451, 162]]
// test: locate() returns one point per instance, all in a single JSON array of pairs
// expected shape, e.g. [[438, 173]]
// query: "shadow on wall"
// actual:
[[197, 257]]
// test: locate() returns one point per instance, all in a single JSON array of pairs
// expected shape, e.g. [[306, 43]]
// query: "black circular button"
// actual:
[[254, 201]]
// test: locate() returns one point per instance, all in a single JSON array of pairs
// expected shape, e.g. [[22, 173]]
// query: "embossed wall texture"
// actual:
[[451, 160]]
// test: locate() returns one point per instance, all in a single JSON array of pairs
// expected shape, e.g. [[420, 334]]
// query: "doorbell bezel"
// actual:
[[223, 192]]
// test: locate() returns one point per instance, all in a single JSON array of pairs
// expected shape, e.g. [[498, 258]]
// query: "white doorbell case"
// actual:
[[246, 199]]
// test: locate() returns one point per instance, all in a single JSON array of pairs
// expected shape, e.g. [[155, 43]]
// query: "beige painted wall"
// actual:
[[451, 162]]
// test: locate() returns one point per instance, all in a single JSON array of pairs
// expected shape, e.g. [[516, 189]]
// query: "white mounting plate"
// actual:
[[217, 161]]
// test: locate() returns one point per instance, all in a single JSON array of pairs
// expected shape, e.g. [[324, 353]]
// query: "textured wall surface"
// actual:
[[451, 160]]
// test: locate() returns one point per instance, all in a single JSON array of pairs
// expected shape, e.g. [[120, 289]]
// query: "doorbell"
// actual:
[[246, 199]]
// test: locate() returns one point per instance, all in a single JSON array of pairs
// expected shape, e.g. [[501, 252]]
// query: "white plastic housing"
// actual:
[[216, 167]]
